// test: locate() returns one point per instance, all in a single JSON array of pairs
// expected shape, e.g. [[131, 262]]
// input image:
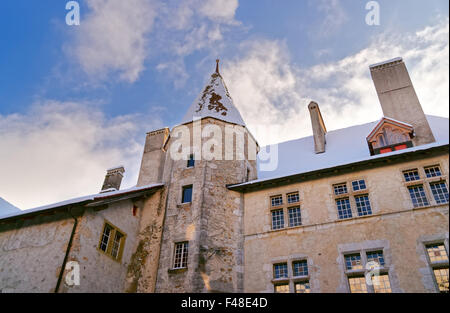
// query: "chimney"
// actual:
[[153, 159], [113, 179], [318, 127], [398, 98]]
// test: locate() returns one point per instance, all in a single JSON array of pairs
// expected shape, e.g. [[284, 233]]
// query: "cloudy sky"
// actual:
[[76, 100]]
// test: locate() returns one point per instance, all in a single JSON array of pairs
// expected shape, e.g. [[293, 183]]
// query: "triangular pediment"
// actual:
[[389, 132]]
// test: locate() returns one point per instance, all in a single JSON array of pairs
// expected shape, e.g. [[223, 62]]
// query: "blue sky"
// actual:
[[75, 100]]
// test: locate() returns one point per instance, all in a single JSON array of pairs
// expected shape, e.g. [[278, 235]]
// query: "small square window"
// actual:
[[441, 275], [418, 196], [181, 255], [187, 194], [353, 262], [280, 270], [340, 189], [112, 242], [433, 171], [381, 283], [359, 185], [376, 256], [116, 244], [295, 217], [293, 197], [105, 237], [344, 209], [191, 161], [282, 288], [276, 201], [302, 287], [357, 284], [300, 268], [440, 192], [437, 253], [277, 219], [363, 205], [411, 175]]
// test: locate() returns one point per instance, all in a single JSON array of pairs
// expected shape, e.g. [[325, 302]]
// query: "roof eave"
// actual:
[[335, 170]]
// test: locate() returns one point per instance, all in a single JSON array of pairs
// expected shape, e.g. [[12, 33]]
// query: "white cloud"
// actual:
[[272, 93], [113, 37], [61, 150], [116, 37], [333, 16]]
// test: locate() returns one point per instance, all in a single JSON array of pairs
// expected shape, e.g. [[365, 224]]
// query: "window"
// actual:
[[381, 283], [437, 253], [116, 244], [300, 268], [353, 262], [280, 271], [363, 205], [282, 288], [295, 217], [438, 259], [440, 192], [181, 255], [340, 189], [187, 194], [433, 171], [344, 209], [411, 175], [105, 237], [357, 284], [418, 196], [277, 200], [376, 256], [191, 161], [112, 241], [277, 219], [356, 266], [359, 185], [302, 287], [293, 197]]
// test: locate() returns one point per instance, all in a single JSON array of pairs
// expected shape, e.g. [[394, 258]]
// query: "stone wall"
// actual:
[[212, 223], [395, 226]]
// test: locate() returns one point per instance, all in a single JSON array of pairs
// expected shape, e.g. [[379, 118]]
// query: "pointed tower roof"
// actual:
[[214, 101]]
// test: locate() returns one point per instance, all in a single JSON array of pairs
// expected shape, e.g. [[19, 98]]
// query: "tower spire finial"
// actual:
[[217, 66]]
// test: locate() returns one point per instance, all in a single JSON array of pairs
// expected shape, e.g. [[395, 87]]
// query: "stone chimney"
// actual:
[[318, 127], [113, 179], [398, 98], [153, 159]]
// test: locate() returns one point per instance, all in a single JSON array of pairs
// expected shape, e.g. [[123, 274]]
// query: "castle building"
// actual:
[[359, 209]]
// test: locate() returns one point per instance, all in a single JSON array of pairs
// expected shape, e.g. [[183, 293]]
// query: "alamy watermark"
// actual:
[[373, 16], [72, 277], [213, 142], [73, 16]]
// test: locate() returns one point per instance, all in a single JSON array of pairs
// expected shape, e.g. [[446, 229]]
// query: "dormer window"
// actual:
[[390, 135]]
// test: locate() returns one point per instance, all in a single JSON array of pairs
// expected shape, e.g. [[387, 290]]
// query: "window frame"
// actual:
[[183, 189], [434, 265], [111, 241], [360, 273], [182, 257]]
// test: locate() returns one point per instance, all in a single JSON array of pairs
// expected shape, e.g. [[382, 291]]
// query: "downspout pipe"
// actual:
[[69, 246]]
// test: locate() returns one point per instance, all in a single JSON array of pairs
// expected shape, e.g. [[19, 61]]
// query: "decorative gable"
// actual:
[[390, 135]]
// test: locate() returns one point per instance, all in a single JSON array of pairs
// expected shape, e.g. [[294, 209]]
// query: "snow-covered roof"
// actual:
[[79, 200], [214, 101], [344, 146], [398, 59], [7, 208]]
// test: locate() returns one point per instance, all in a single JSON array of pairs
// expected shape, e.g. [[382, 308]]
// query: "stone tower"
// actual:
[[211, 149], [398, 98]]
